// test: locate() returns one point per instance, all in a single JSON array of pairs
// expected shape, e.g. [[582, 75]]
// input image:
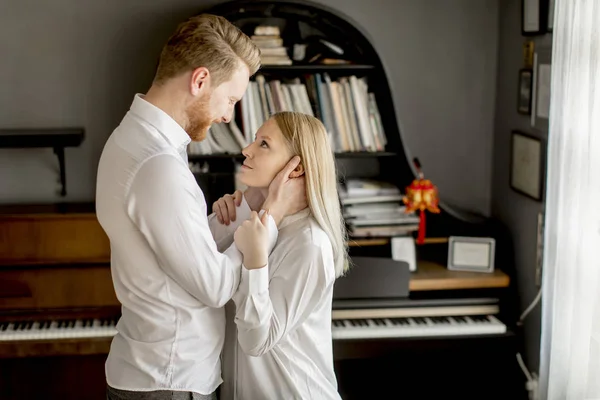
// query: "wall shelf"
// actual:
[[55, 138], [358, 154]]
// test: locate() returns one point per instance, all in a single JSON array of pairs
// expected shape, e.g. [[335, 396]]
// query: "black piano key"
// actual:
[[400, 321], [420, 320], [357, 322]]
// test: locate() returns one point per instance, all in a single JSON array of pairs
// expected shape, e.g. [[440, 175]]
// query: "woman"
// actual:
[[281, 316]]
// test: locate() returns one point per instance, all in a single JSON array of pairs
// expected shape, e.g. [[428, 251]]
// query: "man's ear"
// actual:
[[199, 81], [298, 171]]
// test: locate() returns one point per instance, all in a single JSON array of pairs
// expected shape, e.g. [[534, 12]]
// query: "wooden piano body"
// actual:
[[55, 266]]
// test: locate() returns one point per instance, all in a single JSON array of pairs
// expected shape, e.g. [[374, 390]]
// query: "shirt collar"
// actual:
[[166, 126], [290, 219]]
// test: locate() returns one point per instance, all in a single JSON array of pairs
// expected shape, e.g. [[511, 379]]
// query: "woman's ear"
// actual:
[[298, 171]]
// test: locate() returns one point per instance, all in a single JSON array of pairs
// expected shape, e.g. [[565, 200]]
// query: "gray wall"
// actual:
[[78, 63], [518, 212]]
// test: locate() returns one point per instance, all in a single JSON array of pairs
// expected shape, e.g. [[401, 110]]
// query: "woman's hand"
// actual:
[[287, 193], [224, 208], [251, 239]]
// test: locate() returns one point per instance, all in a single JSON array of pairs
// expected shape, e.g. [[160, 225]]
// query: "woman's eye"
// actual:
[[263, 144]]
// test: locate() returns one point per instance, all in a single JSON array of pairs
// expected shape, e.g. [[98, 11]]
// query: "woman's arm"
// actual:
[[223, 234], [267, 311]]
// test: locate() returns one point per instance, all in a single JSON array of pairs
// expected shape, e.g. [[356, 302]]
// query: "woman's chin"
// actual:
[[244, 177], [241, 176]]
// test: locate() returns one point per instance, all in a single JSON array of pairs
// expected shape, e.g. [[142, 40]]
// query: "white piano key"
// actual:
[[416, 327], [63, 329]]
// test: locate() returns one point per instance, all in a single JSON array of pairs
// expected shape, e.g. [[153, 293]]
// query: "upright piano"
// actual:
[[419, 335]]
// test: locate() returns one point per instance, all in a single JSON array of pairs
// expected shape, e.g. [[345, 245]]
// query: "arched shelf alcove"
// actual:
[[302, 22]]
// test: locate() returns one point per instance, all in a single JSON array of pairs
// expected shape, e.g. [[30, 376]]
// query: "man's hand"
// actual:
[[252, 239], [286, 195], [224, 208]]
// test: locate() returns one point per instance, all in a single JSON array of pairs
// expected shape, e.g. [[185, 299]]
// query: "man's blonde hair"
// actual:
[[307, 138], [208, 41]]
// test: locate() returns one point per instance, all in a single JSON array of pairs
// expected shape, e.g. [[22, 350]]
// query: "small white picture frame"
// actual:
[[474, 254]]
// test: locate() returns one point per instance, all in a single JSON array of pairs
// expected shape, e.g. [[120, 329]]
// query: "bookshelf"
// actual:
[[301, 25]]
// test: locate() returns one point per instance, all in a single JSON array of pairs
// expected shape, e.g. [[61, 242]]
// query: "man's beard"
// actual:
[[199, 119]]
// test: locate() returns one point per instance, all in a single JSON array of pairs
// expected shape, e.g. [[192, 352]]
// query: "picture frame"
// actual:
[[542, 80], [528, 51], [524, 99], [473, 254], [534, 17], [527, 164]]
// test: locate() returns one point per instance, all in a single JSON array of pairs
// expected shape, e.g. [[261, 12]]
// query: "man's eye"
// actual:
[[263, 144]]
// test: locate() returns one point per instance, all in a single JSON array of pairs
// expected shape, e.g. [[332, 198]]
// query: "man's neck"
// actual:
[[168, 100]]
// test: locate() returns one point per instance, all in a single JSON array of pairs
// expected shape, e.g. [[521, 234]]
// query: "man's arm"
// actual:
[[162, 204]]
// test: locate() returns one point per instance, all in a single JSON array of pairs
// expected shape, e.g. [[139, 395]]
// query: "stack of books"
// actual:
[[269, 41], [375, 209]]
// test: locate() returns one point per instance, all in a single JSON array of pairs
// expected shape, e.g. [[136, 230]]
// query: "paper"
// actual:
[[403, 249], [526, 165], [531, 15], [543, 94], [471, 254], [551, 14]]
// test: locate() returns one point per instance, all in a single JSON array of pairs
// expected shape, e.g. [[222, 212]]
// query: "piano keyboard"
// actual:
[[416, 327], [59, 329]]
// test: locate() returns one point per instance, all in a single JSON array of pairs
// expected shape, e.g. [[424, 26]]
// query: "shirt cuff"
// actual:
[[254, 281], [242, 212]]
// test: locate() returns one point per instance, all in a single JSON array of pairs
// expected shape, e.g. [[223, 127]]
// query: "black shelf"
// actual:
[[316, 68], [357, 154], [220, 156], [55, 138], [365, 154]]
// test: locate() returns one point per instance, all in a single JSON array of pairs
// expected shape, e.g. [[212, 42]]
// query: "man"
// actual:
[[167, 272]]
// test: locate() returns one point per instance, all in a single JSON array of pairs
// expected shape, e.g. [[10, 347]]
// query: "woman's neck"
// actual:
[[264, 192]]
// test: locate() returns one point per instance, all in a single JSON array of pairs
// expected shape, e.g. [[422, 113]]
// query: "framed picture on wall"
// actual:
[[540, 107], [534, 17], [527, 165], [525, 85]]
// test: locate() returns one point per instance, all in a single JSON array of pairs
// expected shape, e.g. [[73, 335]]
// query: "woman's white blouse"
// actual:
[[278, 338]]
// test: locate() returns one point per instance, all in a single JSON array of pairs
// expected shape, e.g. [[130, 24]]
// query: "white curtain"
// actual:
[[570, 346]]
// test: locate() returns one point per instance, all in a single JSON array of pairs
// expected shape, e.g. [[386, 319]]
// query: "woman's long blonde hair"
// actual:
[[307, 138]]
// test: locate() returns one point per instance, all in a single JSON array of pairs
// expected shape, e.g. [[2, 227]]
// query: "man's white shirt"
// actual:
[[167, 271]]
